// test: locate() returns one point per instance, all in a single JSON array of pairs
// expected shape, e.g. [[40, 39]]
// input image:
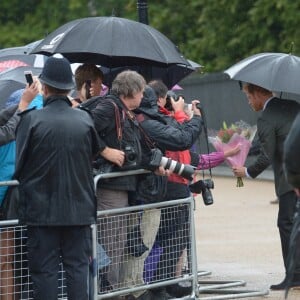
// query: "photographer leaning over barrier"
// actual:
[[115, 125], [174, 133], [165, 133]]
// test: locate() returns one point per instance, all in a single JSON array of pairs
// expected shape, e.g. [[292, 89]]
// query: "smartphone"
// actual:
[[28, 76], [88, 84]]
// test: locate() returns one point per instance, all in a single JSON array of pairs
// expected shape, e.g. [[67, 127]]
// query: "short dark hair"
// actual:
[[159, 88], [251, 88]]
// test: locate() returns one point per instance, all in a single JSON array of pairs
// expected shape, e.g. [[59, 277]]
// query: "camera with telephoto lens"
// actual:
[[130, 156], [157, 160], [203, 187], [171, 94]]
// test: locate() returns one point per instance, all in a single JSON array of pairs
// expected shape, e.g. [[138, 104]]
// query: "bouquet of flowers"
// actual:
[[239, 133]]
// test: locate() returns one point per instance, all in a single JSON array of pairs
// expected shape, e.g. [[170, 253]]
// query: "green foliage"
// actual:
[[215, 33]]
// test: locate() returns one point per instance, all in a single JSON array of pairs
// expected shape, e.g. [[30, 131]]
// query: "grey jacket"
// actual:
[[9, 120], [273, 127]]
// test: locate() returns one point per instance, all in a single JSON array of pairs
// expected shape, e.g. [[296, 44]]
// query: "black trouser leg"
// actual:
[[76, 253], [286, 213], [46, 246], [43, 261]]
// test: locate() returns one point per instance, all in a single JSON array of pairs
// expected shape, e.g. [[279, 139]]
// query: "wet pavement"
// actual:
[[237, 237]]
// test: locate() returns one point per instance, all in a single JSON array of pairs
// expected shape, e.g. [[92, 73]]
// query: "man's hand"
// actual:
[[162, 171], [177, 105], [116, 156], [28, 95], [239, 171]]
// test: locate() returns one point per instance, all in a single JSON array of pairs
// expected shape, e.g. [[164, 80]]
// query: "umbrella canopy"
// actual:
[[111, 42], [170, 75], [13, 80], [278, 72], [17, 74], [26, 59], [11, 64], [19, 50], [7, 87]]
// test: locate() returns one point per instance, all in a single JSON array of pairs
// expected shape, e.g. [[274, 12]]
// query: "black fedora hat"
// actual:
[[57, 73]]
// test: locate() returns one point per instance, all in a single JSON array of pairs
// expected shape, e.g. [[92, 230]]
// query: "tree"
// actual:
[[215, 33]]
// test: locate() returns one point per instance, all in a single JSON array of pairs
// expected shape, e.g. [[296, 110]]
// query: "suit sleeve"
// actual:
[[267, 137], [260, 164]]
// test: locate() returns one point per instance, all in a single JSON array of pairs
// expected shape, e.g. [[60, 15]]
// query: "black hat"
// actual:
[[57, 73], [291, 154]]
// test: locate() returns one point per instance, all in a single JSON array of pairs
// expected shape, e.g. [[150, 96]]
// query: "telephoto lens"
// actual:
[[184, 170]]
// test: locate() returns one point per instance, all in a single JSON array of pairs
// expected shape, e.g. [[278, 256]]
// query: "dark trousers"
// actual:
[[47, 247], [173, 232], [285, 221]]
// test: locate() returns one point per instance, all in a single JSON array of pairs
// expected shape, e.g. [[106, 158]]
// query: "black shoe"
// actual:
[[180, 289], [160, 294], [146, 296], [283, 285]]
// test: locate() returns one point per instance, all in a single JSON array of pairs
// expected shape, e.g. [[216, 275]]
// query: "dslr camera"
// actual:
[[203, 187], [130, 156], [171, 94], [157, 160]]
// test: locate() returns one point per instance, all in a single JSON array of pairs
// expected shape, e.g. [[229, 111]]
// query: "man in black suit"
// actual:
[[272, 127], [291, 160]]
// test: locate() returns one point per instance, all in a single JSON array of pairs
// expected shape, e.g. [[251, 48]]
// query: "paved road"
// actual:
[[237, 237]]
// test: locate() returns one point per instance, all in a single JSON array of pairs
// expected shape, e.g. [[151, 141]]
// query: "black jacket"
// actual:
[[104, 116], [167, 134], [55, 147], [165, 131], [273, 127], [9, 120]]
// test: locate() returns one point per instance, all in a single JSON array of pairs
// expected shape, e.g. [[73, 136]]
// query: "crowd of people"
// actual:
[[54, 151]]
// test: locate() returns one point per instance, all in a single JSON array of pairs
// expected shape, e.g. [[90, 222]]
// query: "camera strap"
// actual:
[[206, 139], [131, 116], [118, 121]]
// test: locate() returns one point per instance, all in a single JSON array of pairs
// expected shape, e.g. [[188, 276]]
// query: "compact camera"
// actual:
[[184, 170], [130, 156], [171, 94], [88, 84], [203, 187]]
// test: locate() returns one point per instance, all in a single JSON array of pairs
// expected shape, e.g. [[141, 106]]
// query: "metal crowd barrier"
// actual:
[[139, 273]]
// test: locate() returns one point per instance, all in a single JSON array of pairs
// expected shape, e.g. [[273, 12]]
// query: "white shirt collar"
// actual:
[[266, 103]]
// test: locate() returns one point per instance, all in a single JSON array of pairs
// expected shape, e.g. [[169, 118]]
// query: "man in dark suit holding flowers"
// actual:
[[272, 128]]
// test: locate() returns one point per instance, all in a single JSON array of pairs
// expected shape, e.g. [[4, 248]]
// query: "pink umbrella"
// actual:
[[11, 64], [176, 87]]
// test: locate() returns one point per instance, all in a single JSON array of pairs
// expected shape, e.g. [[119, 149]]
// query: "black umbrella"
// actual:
[[169, 75], [111, 42], [277, 72], [13, 80], [7, 87]]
